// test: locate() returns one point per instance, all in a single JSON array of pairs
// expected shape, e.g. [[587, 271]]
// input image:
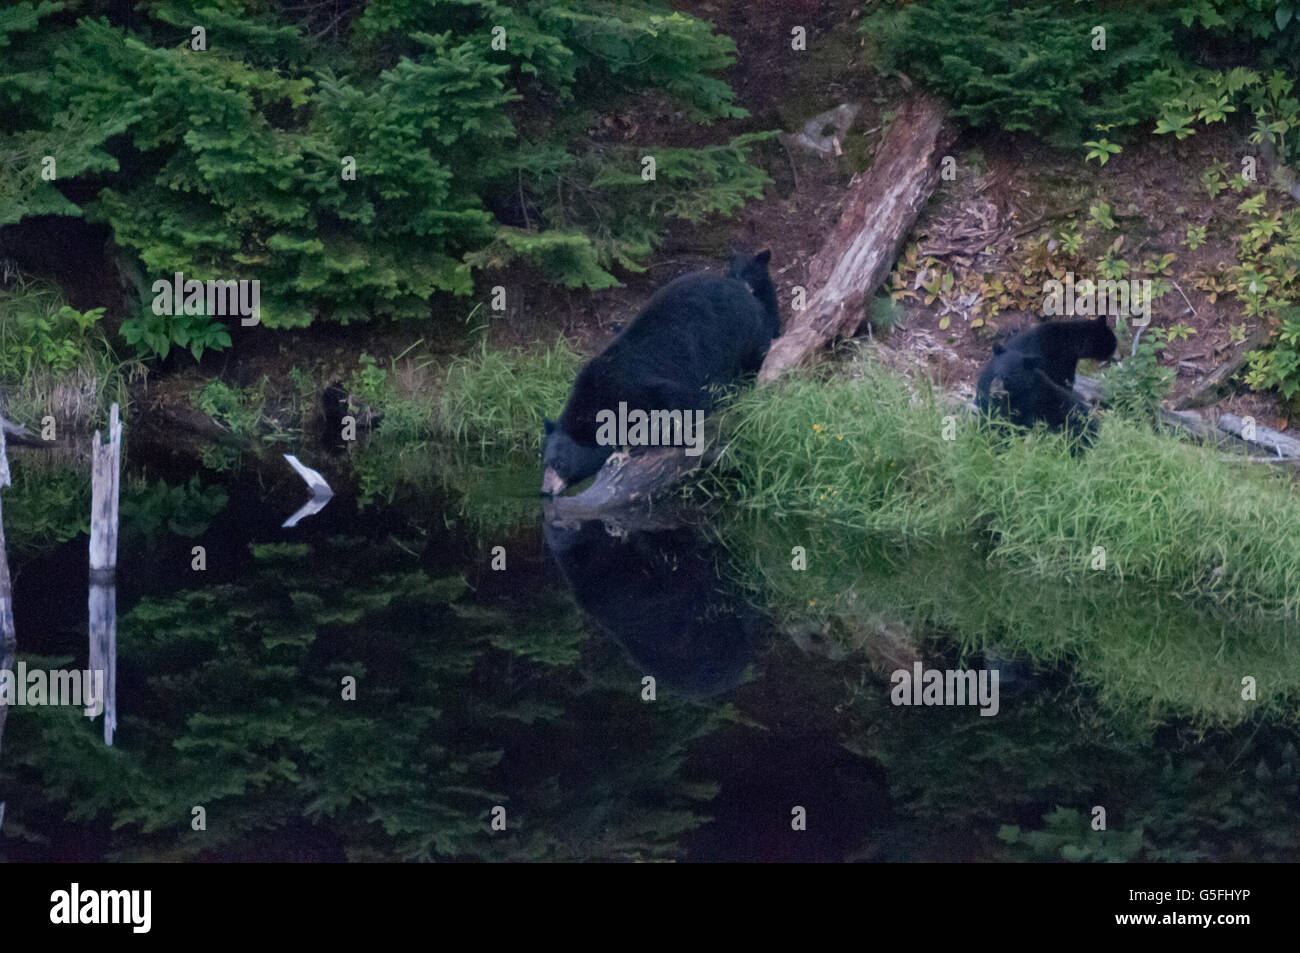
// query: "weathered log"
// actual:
[[879, 211], [102, 601], [1272, 442], [628, 479], [1262, 444], [106, 463]]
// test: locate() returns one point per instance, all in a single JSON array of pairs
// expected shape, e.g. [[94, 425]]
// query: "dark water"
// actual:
[[521, 693]]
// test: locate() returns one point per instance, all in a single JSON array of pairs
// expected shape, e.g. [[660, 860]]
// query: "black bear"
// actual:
[[1031, 376], [1063, 344], [697, 335], [752, 270]]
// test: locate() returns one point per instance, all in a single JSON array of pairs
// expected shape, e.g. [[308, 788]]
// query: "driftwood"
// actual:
[[625, 480], [1226, 431], [879, 210]]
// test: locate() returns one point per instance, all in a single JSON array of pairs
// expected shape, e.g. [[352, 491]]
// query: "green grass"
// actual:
[[498, 399], [54, 360], [870, 454]]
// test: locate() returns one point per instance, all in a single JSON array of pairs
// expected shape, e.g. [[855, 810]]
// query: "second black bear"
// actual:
[[1031, 376], [698, 334], [1063, 344]]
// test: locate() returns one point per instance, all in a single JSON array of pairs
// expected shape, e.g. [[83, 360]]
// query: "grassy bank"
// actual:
[[879, 455], [55, 360], [884, 455], [498, 399]]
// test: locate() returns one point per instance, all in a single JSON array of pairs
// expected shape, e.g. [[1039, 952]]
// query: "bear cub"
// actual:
[[697, 335], [1031, 375]]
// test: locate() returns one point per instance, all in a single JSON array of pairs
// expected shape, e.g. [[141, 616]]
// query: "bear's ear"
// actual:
[[548, 424], [763, 257]]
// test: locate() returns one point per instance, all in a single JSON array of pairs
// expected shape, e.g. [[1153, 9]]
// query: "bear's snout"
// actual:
[[552, 483]]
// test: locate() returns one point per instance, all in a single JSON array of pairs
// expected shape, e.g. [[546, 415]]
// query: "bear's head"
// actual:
[[1017, 380], [752, 270], [1101, 341], [565, 461]]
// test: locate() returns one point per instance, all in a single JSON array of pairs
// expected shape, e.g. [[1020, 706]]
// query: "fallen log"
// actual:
[[879, 211], [1261, 444], [626, 479]]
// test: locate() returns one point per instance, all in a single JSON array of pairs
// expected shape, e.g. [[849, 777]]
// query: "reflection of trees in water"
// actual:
[[229, 698]]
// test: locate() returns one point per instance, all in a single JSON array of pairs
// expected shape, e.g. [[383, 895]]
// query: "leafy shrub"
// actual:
[[359, 166], [54, 359], [1033, 68], [154, 334], [1137, 385], [236, 409], [39, 333]]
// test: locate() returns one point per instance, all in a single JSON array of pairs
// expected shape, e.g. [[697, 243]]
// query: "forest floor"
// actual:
[[1011, 187]]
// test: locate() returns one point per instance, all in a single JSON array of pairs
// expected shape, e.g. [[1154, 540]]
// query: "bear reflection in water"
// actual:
[[660, 594]]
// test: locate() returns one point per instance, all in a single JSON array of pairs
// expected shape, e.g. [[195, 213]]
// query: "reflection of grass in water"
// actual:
[[489, 491], [46, 505], [1148, 654], [868, 454]]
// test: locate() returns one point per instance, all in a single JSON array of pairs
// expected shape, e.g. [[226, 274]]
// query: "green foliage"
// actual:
[[1278, 367], [152, 335], [1068, 835], [1195, 237], [1269, 26], [1208, 96], [54, 359], [374, 391], [237, 409], [1137, 385], [1102, 149], [353, 166], [498, 398], [1100, 216], [1032, 68]]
